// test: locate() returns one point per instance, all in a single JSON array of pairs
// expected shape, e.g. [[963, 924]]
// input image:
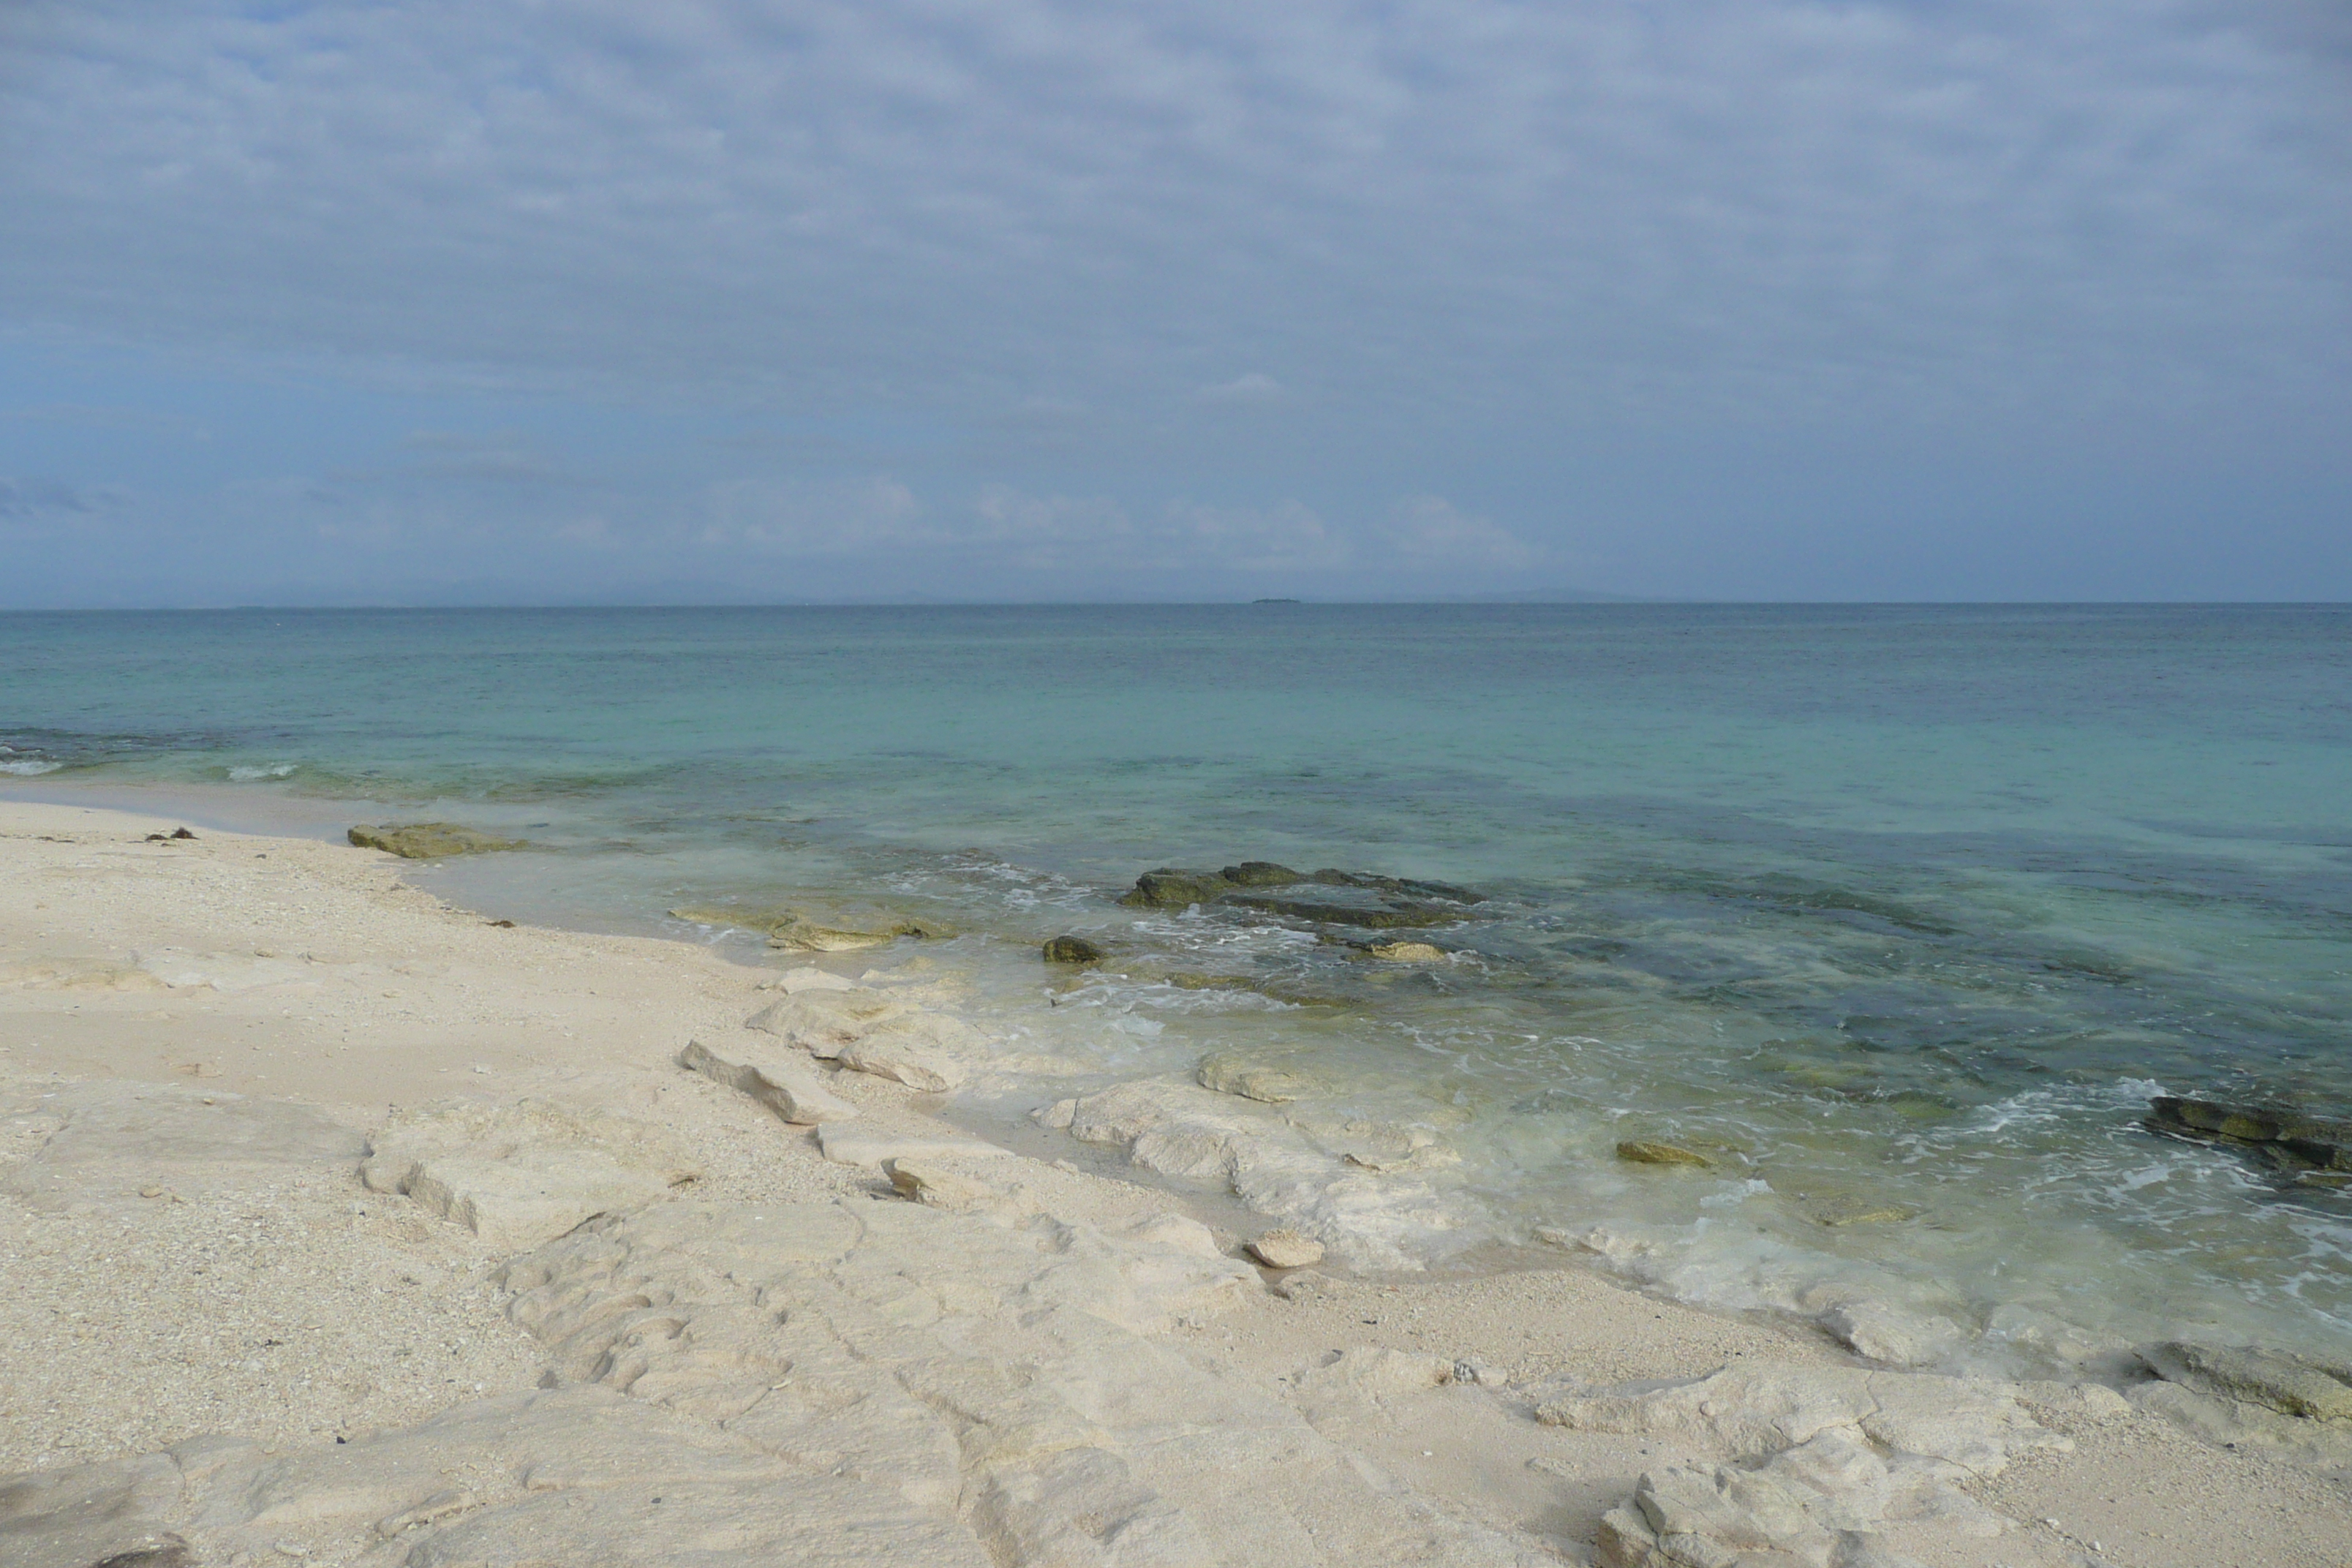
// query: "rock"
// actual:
[[428, 840], [1260, 874], [2273, 1379], [1056, 1116], [517, 1175], [1881, 1334], [797, 982], [1642, 1151], [929, 1183], [1072, 950], [862, 1145], [785, 1084], [1373, 916], [105, 1141], [531, 1195], [869, 1032], [808, 936], [1405, 885], [2287, 1139], [1384, 901], [1407, 951], [1229, 1073], [1286, 1249], [1168, 889], [1184, 1131], [1827, 1456], [821, 1019], [905, 1052], [1839, 1213]]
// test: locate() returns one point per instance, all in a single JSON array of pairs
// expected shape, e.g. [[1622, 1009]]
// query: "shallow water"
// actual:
[[1894, 909]]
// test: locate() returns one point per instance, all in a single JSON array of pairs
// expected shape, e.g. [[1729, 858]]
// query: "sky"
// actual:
[[533, 301]]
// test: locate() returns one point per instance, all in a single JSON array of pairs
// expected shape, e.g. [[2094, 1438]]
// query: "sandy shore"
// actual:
[[342, 1225]]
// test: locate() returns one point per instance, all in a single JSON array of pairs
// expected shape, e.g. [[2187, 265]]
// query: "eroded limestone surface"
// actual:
[[867, 1382], [1346, 1185], [1822, 1458], [516, 1175]]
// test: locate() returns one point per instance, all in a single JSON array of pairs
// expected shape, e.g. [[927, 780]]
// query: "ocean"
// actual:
[[1898, 916]]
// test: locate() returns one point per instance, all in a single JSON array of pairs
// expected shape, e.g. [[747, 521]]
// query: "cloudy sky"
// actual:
[[540, 300]]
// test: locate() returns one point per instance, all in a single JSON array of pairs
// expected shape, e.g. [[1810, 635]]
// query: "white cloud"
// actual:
[[1431, 530]]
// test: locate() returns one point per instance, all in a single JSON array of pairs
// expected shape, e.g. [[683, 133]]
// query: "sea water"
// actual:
[[1897, 915]]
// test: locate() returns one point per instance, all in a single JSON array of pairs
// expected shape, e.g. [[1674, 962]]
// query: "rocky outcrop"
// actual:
[[2310, 1150], [871, 1032], [1072, 950], [517, 1175], [774, 1075], [1229, 1072], [2289, 1384], [1351, 899], [1823, 1458], [428, 840], [795, 931], [1330, 1179]]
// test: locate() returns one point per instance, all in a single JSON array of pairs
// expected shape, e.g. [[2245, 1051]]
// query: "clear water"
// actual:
[[1906, 907]]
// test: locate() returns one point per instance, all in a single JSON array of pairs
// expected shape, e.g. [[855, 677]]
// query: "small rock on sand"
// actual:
[[1286, 1249]]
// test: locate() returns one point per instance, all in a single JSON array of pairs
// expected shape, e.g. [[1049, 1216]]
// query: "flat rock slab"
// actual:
[[519, 1175], [775, 1075], [108, 1141], [867, 1146]]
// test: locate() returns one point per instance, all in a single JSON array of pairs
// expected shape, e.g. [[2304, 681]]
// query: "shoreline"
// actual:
[[1506, 1412]]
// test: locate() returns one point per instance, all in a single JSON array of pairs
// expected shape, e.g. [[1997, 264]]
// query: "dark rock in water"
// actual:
[[1372, 917], [1404, 885], [1072, 950], [1383, 904], [426, 840], [1168, 889], [2308, 1147]]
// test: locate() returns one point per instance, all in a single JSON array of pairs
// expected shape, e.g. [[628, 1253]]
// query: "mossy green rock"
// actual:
[[1072, 950], [1168, 889], [1643, 1152], [428, 840]]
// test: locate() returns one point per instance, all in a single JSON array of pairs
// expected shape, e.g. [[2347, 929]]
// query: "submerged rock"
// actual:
[[1072, 950], [1642, 1151], [794, 931], [2310, 1149], [428, 840], [1383, 903], [1382, 916], [1228, 1072], [1407, 951]]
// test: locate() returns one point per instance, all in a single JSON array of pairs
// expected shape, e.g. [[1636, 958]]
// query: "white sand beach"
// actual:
[[340, 1226]]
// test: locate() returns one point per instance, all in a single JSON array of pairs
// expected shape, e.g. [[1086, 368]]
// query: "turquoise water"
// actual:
[[1903, 909]]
